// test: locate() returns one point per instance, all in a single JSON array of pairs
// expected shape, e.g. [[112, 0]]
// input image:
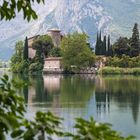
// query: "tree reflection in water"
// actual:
[[77, 91], [123, 90]]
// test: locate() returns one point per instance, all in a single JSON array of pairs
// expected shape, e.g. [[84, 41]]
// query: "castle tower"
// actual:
[[56, 36]]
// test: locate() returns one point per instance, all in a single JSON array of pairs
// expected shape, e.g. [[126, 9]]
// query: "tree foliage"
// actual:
[[11, 107], [18, 64], [123, 62], [25, 51], [103, 47], [135, 42], [122, 46], [125, 46], [10, 8], [55, 52], [92, 130], [43, 44], [75, 51]]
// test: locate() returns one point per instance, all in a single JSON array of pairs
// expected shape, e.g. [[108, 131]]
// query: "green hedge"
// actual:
[[123, 62], [117, 70]]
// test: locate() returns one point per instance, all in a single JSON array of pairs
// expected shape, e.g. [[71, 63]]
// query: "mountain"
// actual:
[[114, 17]]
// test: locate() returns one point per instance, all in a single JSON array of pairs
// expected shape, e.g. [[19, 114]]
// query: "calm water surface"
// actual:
[[113, 99]]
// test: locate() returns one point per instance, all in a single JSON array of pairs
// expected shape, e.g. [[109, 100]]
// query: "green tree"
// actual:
[[76, 52], [97, 45], [104, 46], [25, 53], [18, 64], [110, 48], [55, 52], [100, 47], [100, 44], [134, 41], [43, 44], [10, 8], [122, 46]]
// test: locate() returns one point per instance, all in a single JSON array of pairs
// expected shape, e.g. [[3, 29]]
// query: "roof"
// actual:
[[33, 37], [54, 30], [53, 58]]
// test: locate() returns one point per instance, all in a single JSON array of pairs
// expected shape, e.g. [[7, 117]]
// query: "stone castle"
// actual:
[[56, 36], [51, 64]]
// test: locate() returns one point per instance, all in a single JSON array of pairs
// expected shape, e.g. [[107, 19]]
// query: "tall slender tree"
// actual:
[[134, 41], [97, 45], [100, 44], [104, 46], [109, 48], [25, 53], [100, 36]]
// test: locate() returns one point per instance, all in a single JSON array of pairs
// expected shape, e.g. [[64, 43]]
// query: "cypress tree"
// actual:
[[100, 37], [111, 50], [108, 46], [134, 41], [100, 44], [104, 46], [97, 45], [25, 53]]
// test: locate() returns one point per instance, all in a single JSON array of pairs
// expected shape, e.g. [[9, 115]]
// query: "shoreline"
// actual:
[[101, 71], [119, 71]]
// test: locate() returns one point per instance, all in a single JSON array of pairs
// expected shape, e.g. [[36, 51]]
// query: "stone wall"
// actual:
[[31, 53], [55, 34], [88, 70]]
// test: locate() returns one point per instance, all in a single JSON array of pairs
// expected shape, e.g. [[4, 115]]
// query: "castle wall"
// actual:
[[31, 53], [52, 63], [56, 36]]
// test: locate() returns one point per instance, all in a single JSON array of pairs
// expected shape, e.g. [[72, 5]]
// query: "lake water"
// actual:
[[113, 99]]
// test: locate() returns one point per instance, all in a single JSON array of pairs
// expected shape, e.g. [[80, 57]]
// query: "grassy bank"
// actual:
[[117, 70]]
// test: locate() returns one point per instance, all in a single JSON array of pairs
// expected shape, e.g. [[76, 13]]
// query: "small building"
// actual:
[[53, 65]]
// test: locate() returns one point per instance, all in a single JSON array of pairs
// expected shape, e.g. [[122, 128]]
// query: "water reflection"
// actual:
[[122, 90], [59, 91], [113, 99]]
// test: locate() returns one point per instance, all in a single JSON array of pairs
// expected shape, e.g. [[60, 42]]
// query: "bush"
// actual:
[[20, 67], [55, 52], [35, 67], [92, 130], [117, 70], [123, 62]]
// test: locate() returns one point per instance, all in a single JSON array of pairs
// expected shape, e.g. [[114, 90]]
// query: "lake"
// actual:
[[113, 99]]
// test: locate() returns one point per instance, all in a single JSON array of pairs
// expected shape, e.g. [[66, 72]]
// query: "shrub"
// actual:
[[117, 70], [92, 130], [55, 52], [35, 67], [123, 62]]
